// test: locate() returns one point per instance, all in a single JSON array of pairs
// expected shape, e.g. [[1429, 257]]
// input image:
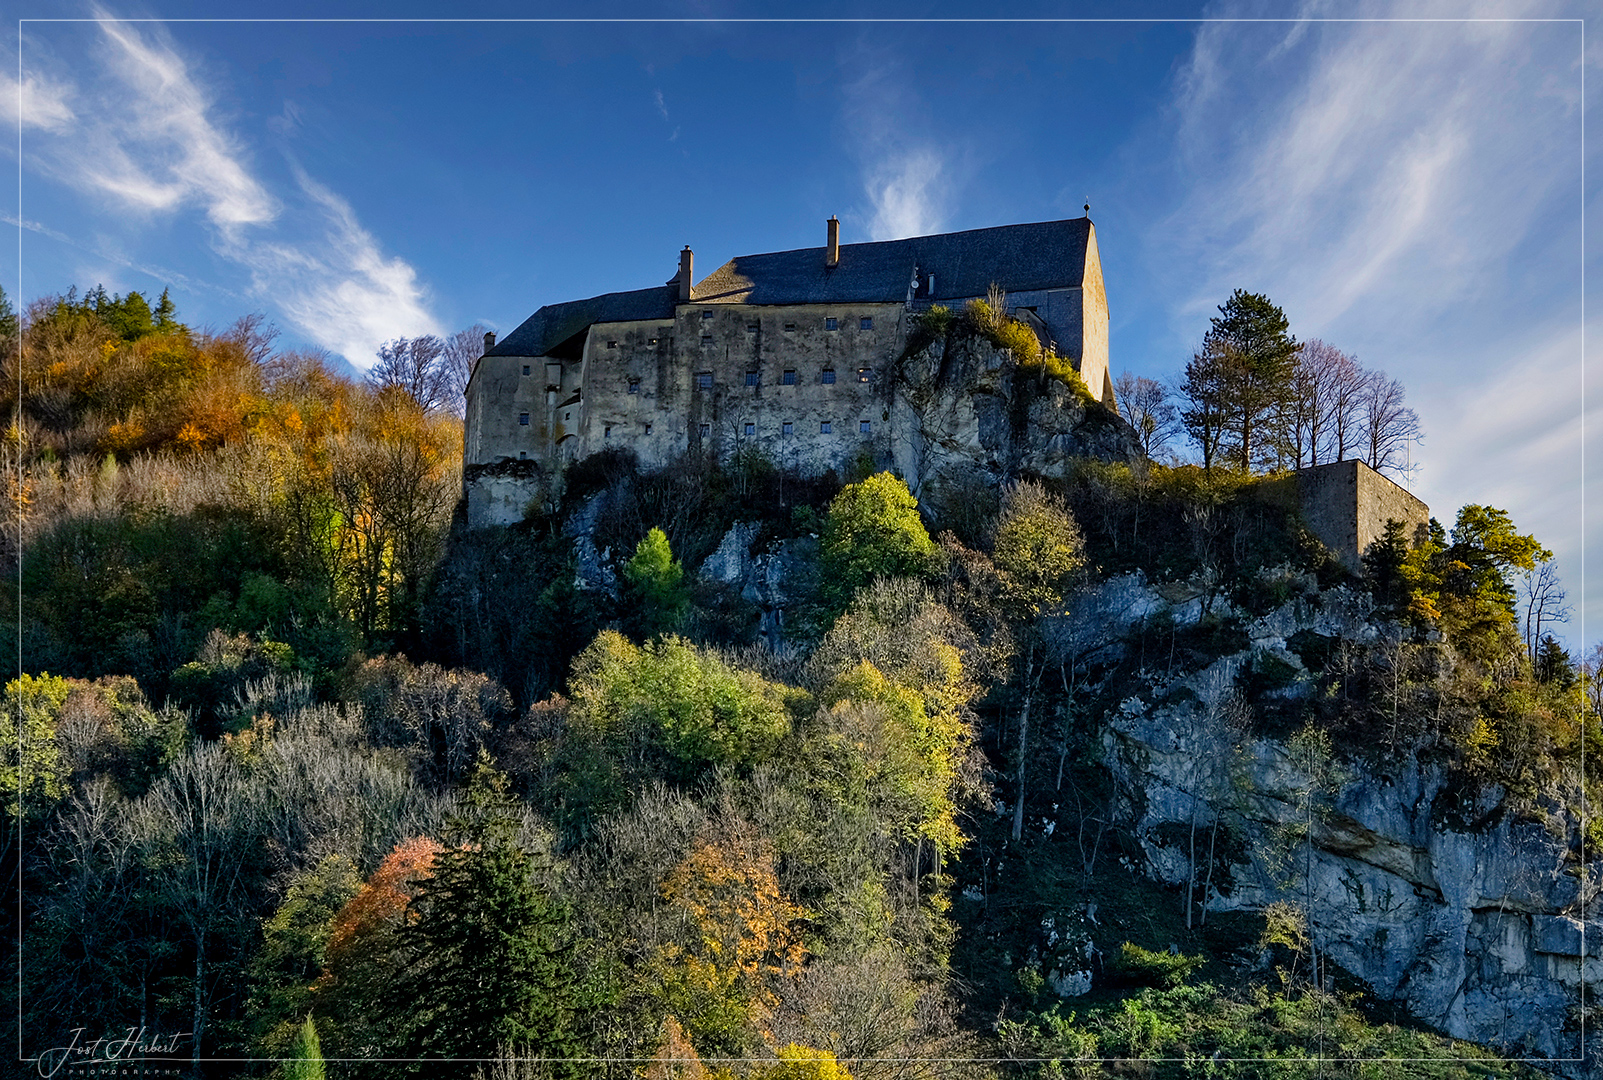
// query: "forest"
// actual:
[[304, 778]]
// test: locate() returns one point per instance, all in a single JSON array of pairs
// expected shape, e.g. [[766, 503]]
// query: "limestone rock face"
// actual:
[[761, 577], [963, 409], [1472, 916]]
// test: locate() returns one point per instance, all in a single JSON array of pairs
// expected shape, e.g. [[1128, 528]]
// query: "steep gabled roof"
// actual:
[[1044, 255], [554, 324]]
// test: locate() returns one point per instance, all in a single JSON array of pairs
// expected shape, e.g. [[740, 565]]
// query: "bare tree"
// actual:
[[1311, 419], [1145, 404], [461, 352], [1388, 425], [1344, 420], [415, 366], [1544, 602]]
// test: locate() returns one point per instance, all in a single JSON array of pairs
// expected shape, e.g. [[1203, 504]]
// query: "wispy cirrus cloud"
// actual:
[[908, 179], [1410, 191], [35, 102], [149, 137]]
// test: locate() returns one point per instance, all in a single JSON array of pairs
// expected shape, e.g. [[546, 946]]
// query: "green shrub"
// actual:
[[1136, 966]]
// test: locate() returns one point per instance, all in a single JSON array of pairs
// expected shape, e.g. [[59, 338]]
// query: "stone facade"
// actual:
[[1347, 505], [790, 355]]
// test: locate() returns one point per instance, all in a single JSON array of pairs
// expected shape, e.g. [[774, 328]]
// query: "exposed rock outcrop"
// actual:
[[964, 408], [1467, 912]]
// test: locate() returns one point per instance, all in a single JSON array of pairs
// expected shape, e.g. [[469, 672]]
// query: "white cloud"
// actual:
[[907, 190], [908, 179], [661, 105], [1410, 192], [35, 102], [345, 294], [148, 135], [166, 150]]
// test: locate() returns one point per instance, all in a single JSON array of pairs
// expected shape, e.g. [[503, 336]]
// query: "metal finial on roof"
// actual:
[[1087, 206]]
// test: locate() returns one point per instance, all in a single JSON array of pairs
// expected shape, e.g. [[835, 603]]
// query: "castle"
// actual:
[[787, 353]]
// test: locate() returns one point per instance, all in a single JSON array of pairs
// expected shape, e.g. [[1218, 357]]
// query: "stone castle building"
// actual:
[[787, 353]]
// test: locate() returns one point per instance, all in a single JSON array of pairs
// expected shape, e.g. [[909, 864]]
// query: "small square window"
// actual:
[[706, 339], [606, 433], [790, 328], [612, 344], [648, 429], [751, 328], [523, 419], [567, 416], [823, 427], [703, 380], [705, 315], [634, 386], [706, 430], [863, 374], [866, 323], [787, 428], [751, 429], [523, 455], [828, 375], [831, 324], [525, 369], [789, 378], [865, 426], [751, 378]]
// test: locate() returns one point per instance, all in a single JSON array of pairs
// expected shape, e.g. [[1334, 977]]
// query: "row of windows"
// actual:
[[864, 322], [825, 427], [704, 379]]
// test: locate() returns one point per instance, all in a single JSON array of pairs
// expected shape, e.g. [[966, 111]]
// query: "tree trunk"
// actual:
[[1024, 743], [1208, 885], [1191, 866]]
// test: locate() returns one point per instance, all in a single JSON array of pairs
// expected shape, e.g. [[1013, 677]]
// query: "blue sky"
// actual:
[[1411, 192]]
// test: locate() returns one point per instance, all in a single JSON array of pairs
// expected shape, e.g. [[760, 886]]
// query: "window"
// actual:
[[787, 428], [523, 419], [648, 429], [706, 339], [651, 341], [823, 427], [790, 328], [831, 324], [865, 323], [863, 374], [567, 416], [703, 380], [828, 375], [789, 378], [751, 328], [864, 426], [705, 315], [525, 369], [751, 378], [706, 430], [634, 386], [523, 455], [751, 429], [606, 433], [612, 344]]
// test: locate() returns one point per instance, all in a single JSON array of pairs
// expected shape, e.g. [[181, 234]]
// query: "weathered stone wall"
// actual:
[[1347, 505], [744, 355]]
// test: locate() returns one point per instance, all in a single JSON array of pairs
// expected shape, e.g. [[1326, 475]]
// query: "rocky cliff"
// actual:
[[1473, 912]]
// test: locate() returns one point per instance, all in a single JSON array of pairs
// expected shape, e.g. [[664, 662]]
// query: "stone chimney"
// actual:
[[686, 261], [489, 341], [832, 245]]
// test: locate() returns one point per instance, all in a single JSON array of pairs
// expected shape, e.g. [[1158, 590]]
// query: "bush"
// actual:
[[1136, 966]]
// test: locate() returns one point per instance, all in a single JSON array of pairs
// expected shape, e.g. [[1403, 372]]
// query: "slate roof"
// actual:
[[1044, 255], [555, 323]]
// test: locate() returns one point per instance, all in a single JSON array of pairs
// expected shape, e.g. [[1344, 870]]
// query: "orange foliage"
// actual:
[[383, 899]]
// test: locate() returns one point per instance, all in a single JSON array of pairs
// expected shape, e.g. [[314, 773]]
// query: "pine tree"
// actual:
[[494, 952], [305, 1058]]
